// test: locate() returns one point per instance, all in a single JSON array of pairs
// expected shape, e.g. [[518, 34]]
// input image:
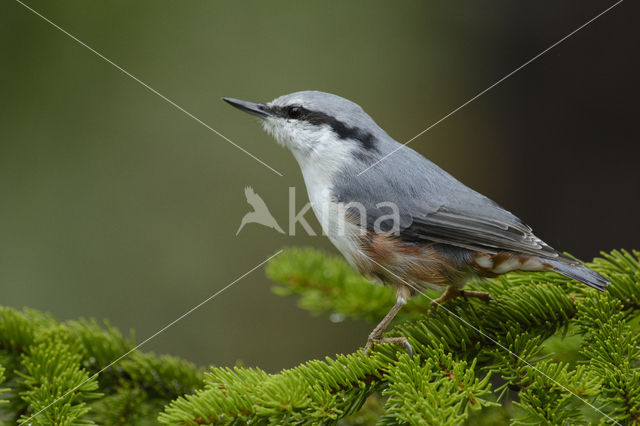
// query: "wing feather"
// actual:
[[484, 234], [435, 207]]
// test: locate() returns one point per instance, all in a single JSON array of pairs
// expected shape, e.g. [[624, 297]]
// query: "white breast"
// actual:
[[344, 235]]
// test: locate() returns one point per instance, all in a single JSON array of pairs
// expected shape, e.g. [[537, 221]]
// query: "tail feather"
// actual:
[[576, 271]]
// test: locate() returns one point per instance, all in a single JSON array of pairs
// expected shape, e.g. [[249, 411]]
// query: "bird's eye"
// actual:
[[294, 111]]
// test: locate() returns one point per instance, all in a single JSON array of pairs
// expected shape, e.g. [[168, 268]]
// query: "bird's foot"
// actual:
[[453, 292], [482, 295], [450, 294], [400, 341]]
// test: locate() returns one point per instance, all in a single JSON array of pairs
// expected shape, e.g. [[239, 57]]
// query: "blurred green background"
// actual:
[[116, 205]]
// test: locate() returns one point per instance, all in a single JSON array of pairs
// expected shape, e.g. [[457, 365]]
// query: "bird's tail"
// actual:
[[579, 273]]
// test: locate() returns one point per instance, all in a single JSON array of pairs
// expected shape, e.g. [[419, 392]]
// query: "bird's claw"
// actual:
[[408, 347], [400, 341]]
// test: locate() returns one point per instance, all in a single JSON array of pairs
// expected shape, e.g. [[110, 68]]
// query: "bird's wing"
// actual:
[[478, 233], [435, 207]]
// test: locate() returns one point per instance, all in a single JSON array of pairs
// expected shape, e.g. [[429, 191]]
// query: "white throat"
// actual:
[[322, 157], [319, 176]]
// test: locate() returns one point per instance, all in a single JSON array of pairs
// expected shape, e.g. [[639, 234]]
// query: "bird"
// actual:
[[260, 213], [395, 216]]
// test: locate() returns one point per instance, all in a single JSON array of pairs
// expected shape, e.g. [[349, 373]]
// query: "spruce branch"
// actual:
[[469, 356], [52, 367], [44, 359], [506, 339]]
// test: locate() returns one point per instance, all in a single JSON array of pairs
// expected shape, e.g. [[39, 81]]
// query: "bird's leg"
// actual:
[[452, 292], [376, 335]]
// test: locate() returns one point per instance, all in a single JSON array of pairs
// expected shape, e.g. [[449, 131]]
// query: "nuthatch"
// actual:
[[404, 221]]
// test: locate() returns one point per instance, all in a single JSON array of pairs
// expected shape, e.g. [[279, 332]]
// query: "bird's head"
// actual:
[[317, 126]]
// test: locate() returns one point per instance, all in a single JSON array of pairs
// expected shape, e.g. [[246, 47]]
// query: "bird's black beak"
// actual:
[[261, 110]]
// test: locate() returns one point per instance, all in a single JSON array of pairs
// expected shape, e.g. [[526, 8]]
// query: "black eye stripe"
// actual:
[[298, 112]]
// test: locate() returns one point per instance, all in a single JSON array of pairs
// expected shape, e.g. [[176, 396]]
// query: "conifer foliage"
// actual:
[[52, 365], [547, 350], [474, 362]]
